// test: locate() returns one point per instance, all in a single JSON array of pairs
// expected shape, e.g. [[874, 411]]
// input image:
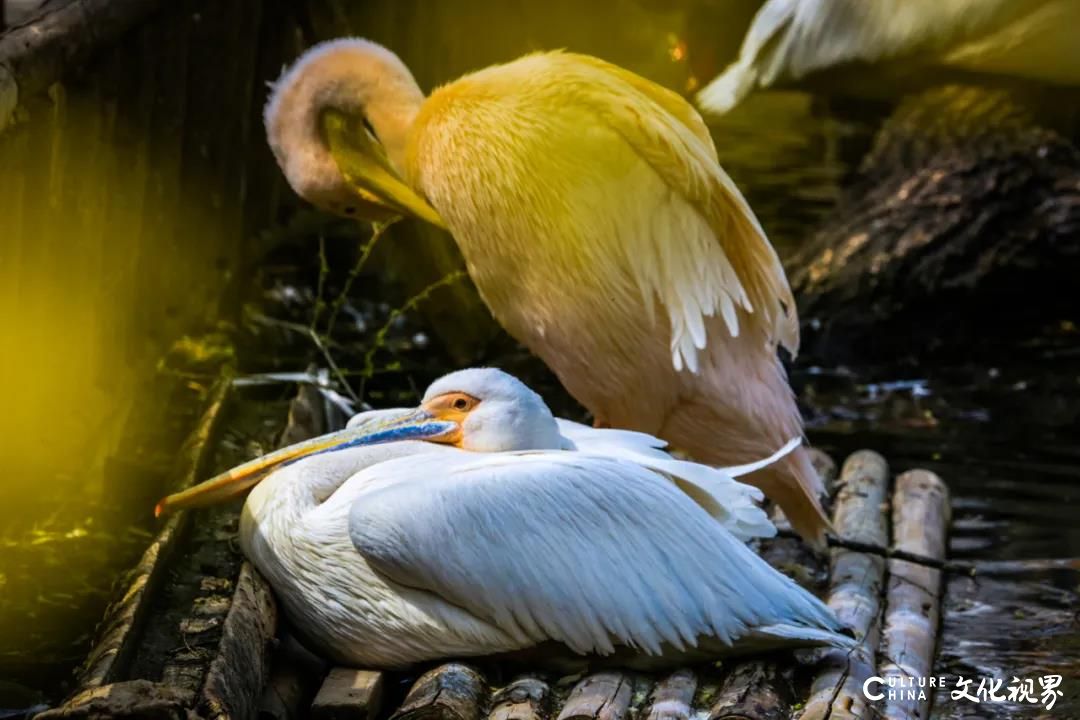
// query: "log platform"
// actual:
[[174, 647]]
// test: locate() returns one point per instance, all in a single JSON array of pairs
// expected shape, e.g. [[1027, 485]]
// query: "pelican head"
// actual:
[[494, 410], [338, 123], [480, 410]]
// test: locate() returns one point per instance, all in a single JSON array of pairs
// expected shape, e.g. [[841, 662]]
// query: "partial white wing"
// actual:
[[758, 63], [733, 503], [587, 551], [790, 39]]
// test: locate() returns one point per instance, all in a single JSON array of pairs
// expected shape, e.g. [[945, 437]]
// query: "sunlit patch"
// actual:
[[676, 48]]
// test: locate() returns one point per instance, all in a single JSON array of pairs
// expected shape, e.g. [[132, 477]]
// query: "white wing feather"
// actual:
[[590, 552], [751, 69], [790, 39], [733, 503]]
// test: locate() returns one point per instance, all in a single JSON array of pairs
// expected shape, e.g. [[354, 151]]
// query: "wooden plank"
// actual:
[[123, 620], [349, 694], [920, 518], [753, 691], [603, 696], [242, 671], [449, 692], [526, 698], [825, 466], [134, 699], [238, 674], [673, 696], [855, 588]]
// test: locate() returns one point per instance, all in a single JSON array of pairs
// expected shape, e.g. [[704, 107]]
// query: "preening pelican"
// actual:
[[479, 524], [792, 39], [597, 225]]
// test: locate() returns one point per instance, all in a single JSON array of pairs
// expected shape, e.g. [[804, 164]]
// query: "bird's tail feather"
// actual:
[[742, 409], [728, 89], [787, 449], [794, 485], [783, 635]]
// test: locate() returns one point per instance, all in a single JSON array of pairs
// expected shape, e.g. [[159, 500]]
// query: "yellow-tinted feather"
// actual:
[[671, 142]]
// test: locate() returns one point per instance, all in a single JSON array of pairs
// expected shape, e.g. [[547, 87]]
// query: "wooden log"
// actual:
[[603, 696], [673, 697], [920, 525], [124, 619], [238, 673], [526, 698], [449, 692], [241, 671], [969, 196], [753, 691], [709, 684], [37, 54], [134, 699], [349, 694], [825, 466], [855, 587]]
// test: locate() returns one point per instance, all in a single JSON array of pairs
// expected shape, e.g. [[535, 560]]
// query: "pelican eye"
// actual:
[[452, 405], [457, 402]]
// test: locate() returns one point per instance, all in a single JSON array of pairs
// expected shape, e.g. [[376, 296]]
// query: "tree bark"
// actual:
[[449, 692], [961, 226], [603, 696], [40, 52], [526, 698], [673, 697]]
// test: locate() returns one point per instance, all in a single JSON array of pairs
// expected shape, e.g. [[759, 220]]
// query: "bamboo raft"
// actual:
[[197, 638]]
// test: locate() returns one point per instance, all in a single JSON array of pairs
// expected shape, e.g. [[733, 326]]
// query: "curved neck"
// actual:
[[355, 77]]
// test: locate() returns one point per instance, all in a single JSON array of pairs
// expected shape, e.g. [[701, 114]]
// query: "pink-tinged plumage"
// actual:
[[601, 232]]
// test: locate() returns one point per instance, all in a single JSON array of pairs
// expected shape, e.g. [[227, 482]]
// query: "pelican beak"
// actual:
[[381, 427], [363, 163]]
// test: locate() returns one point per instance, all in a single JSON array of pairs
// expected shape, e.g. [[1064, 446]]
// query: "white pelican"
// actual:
[[789, 40], [595, 222], [504, 528]]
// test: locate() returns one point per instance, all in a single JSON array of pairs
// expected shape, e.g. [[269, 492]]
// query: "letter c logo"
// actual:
[[866, 688]]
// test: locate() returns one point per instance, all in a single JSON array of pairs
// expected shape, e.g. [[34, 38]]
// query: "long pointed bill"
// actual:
[[381, 427], [362, 162]]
